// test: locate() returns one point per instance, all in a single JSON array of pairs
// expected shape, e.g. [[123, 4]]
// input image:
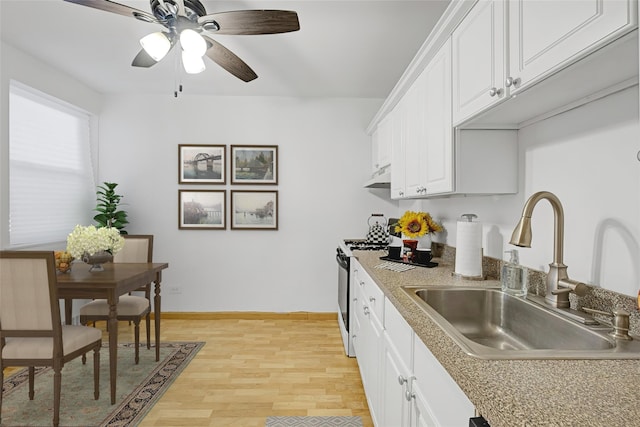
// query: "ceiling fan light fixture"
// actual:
[[193, 64], [193, 42], [156, 45]]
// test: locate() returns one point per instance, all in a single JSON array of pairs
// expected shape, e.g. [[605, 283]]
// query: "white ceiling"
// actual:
[[343, 49]]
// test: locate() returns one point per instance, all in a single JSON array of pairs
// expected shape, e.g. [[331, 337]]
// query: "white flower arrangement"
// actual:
[[89, 240]]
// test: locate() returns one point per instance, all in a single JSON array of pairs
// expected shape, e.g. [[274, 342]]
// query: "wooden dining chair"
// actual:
[[137, 248], [31, 330]]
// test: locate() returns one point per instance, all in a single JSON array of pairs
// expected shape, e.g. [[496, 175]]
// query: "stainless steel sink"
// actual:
[[490, 324]]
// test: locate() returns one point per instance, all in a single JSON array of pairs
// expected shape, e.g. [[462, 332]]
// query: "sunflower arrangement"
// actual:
[[416, 224]]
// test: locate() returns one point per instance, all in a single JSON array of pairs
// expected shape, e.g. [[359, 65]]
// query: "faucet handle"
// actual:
[[620, 322], [570, 285]]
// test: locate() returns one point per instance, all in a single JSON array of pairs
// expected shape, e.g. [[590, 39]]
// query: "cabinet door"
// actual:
[[375, 142], [384, 143], [381, 145], [420, 415], [437, 395], [439, 160], [369, 358], [478, 59], [368, 344], [394, 384], [545, 35], [397, 152], [415, 137]]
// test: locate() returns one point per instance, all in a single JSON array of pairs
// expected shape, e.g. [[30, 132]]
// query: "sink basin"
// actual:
[[491, 324]]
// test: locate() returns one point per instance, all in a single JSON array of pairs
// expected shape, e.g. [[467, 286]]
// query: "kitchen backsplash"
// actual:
[[597, 298]]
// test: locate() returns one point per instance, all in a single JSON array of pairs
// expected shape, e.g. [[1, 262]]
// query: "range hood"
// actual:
[[380, 180]]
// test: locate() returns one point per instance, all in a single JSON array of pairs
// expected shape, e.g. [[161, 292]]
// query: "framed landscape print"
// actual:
[[201, 164], [254, 210], [202, 209], [254, 164]]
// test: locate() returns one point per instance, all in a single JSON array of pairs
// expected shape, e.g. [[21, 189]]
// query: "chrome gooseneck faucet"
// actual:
[[558, 283]]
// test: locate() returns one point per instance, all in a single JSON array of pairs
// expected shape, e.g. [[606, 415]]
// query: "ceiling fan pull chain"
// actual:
[[177, 83]]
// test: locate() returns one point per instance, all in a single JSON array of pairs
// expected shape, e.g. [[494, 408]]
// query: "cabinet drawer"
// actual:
[[399, 332], [372, 296]]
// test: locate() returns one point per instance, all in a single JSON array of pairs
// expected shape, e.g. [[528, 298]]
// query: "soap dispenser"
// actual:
[[514, 276]]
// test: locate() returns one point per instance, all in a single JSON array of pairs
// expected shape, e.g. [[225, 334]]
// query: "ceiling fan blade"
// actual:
[[248, 22], [120, 9], [229, 60], [143, 59]]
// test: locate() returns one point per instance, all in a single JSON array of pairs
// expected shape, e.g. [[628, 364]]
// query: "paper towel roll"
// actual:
[[469, 249]]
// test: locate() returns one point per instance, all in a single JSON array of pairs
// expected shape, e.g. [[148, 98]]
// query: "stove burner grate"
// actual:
[[363, 245]]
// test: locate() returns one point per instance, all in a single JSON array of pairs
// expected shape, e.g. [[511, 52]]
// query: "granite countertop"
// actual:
[[512, 393]]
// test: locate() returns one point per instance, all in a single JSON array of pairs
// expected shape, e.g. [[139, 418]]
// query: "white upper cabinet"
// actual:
[[414, 134], [431, 159], [398, 179], [551, 54], [381, 145], [500, 65], [438, 168], [545, 35], [478, 59], [422, 156]]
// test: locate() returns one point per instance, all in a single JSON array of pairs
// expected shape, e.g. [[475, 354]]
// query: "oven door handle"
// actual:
[[344, 263]]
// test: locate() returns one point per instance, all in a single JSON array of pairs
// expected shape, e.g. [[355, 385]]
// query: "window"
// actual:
[[51, 185]]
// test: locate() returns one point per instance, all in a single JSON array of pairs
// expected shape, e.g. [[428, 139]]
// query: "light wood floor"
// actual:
[[251, 369]]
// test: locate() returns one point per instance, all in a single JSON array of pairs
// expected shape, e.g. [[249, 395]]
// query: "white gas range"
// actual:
[[345, 289]]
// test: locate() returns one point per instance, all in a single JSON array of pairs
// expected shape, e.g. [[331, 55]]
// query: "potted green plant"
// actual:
[[108, 213]]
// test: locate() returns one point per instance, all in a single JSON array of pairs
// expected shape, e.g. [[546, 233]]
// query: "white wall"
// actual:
[[588, 158], [324, 159]]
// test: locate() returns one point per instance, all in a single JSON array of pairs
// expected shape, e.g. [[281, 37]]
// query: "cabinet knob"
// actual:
[[512, 82], [366, 310], [409, 395], [372, 299], [362, 283], [402, 380], [495, 91]]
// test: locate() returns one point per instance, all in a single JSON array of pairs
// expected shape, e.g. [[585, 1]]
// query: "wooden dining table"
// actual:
[[117, 279]]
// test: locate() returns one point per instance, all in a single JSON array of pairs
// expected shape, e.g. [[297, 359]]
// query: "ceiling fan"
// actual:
[[187, 22]]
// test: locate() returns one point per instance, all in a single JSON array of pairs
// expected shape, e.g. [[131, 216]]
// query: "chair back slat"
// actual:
[[26, 294], [137, 248]]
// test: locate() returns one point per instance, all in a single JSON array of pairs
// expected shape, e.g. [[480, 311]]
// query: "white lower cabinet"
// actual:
[[437, 398], [404, 383], [396, 371], [368, 305]]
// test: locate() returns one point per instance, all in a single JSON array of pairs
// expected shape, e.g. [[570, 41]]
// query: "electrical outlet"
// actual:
[[174, 290]]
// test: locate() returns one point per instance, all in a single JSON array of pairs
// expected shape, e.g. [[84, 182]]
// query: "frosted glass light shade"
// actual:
[[193, 42], [156, 45], [193, 64]]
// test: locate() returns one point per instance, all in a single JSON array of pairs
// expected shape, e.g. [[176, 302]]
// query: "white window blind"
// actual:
[[51, 181]]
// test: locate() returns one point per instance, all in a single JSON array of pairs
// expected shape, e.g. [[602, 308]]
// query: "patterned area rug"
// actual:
[[313, 422], [139, 387]]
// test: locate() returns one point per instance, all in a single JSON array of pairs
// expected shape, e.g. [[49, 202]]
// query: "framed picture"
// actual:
[[202, 164], [254, 210], [202, 209], [254, 164]]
